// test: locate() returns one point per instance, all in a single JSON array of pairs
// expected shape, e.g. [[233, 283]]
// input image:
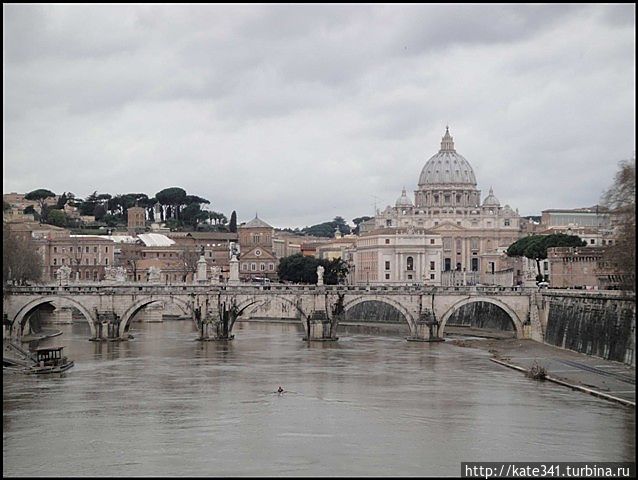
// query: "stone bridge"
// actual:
[[109, 308]]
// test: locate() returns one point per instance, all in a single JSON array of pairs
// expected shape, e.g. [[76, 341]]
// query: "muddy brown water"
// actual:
[[368, 404]]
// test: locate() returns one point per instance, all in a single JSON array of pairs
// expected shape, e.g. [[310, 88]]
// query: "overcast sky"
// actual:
[[303, 113]]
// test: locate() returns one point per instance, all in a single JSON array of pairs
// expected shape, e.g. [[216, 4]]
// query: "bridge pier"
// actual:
[[426, 329], [320, 328], [107, 328], [216, 325]]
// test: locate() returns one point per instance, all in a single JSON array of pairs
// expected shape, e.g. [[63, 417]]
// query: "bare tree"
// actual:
[[189, 258], [620, 198], [20, 261], [75, 256], [129, 258]]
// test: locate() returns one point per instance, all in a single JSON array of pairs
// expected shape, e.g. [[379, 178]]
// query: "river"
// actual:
[[165, 404]]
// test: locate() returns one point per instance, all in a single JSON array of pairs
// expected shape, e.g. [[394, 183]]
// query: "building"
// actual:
[[136, 219], [577, 267], [447, 205], [86, 255], [399, 255], [257, 257]]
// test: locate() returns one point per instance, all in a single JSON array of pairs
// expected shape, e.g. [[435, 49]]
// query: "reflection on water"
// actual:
[[164, 404]]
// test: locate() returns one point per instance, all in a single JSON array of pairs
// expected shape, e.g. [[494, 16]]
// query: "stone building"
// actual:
[[86, 255], [447, 205], [577, 267], [136, 219], [257, 256]]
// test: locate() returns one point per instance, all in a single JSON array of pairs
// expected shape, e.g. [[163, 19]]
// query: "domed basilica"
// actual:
[[446, 235]]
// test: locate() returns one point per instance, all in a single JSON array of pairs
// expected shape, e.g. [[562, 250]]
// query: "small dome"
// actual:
[[447, 166], [491, 200], [403, 200]]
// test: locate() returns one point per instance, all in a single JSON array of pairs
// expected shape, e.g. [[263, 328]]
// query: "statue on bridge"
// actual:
[[154, 274], [320, 270], [63, 274], [234, 252]]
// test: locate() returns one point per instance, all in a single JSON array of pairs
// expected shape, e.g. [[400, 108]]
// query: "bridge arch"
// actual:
[[22, 315], [259, 302], [518, 323], [348, 304], [140, 304]]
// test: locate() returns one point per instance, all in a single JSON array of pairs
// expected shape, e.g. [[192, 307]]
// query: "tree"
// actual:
[[20, 260], [172, 197], [30, 210], [189, 259], [358, 221], [61, 201], [40, 196], [535, 247], [99, 212], [5, 206], [233, 222], [335, 271], [298, 268], [620, 198], [57, 218], [87, 207]]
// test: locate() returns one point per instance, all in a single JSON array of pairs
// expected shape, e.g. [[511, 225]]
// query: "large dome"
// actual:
[[447, 166]]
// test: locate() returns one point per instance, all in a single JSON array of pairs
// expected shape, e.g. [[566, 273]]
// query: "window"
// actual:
[[410, 263], [387, 276], [448, 264], [88, 274], [94, 249], [432, 266], [262, 266], [55, 261], [253, 266], [458, 267], [431, 241], [474, 243], [387, 265], [592, 241], [70, 249], [55, 249], [431, 276], [94, 261], [63, 261], [106, 249], [271, 266], [447, 243], [507, 222], [106, 261], [387, 241], [86, 249], [409, 277], [475, 265], [244, 266], [446, 199]]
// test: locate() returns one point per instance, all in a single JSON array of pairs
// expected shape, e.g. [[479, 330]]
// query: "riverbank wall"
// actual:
[[602, 324]]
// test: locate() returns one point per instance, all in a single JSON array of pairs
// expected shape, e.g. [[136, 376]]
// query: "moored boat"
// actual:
[[50, 360]]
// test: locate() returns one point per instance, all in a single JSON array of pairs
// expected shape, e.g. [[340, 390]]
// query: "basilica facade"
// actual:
[[445, 235]]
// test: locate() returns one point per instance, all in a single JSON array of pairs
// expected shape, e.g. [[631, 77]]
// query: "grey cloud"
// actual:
[[307, 112]]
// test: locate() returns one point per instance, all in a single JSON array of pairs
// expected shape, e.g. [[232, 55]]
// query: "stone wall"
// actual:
[[599, 325]]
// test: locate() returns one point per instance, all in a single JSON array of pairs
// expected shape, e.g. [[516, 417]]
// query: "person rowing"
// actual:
[[280, 390]]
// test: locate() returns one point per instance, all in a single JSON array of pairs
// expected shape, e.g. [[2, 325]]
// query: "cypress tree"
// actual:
[[233, 222]]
